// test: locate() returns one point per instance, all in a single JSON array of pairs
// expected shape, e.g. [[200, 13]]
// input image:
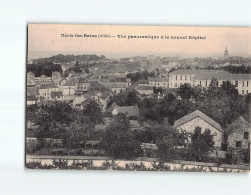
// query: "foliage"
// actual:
[[135, 77], [44, 68], [118, 140], [185, 91], [127, 98], [201, 144], [92, 112]]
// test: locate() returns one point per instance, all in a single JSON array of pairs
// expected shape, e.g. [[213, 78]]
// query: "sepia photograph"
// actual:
[[138, 98]]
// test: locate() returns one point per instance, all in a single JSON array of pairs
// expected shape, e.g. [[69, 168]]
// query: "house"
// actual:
[[30, 79], [159, 82], [56, 77], [45, 91], [31, 100], [129, 111], [57, 95], [82, 85], [143, 83], [195, 119], [68, 89], [104, 99], [43, 79], [115, 87], [144, 89], [238, 134]]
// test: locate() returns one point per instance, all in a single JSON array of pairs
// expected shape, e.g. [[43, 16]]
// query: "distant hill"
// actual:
[[60, 58]]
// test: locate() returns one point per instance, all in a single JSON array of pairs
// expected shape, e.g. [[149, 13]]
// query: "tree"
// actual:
[[93, 112], [118, 140], [185, 91], [229, 89], [75, 134], [168, 141], [201, 144]]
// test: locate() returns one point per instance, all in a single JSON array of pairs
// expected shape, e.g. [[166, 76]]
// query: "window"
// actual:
[[206, 83], [247, 83], [200, 83], [242, 83], [246, 134], [242, 92], [176, 77], [247, 91], [175, 84], [181, 77], [236, 83], [158, 84], [238, 144]]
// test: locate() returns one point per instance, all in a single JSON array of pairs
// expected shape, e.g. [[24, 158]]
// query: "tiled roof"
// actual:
[[55, 94], [158, 79], [196, 114], [197, 72], [86, 101], [70, 82], [47, 86], [142, 87], [114, 85], [105, 96], [31, 98], [122, 79], [143, 82], [32, 91], [241, 77], [238, 123]]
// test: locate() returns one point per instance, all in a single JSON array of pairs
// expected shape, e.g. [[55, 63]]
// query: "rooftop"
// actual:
[[238, 123], [143, 87], [47, 86], [196, 114]]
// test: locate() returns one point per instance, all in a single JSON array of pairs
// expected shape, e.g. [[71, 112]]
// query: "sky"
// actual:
[[45, 40]]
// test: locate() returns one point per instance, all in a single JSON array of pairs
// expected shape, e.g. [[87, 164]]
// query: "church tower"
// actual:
[[226, 53]]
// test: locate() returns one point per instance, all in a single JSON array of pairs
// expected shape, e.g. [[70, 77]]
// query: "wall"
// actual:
[[191, 125]]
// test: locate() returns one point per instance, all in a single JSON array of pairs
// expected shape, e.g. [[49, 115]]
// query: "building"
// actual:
[[57, 95], [32, 95], [195, 119], [226, 55], [30, 79], [242, 83], [203, 78], [143, 83], [56, 77], [68, 89], [31, 100], [159, 82], [104, 99], [45, 91], [82, 85], [238, 134], [43, 79], [115, 87], [144, 90]]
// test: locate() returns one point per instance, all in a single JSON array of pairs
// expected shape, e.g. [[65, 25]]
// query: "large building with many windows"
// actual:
[[203, 78]]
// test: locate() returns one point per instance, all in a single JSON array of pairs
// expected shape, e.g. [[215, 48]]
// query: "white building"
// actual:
[[203, 78], [159, 82], [45, 91], [195, 119]]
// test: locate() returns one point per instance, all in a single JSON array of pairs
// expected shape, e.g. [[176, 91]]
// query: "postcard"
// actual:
[[138, 98]]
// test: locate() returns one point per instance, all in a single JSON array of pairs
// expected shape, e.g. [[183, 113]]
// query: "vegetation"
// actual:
[[45, 68]]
